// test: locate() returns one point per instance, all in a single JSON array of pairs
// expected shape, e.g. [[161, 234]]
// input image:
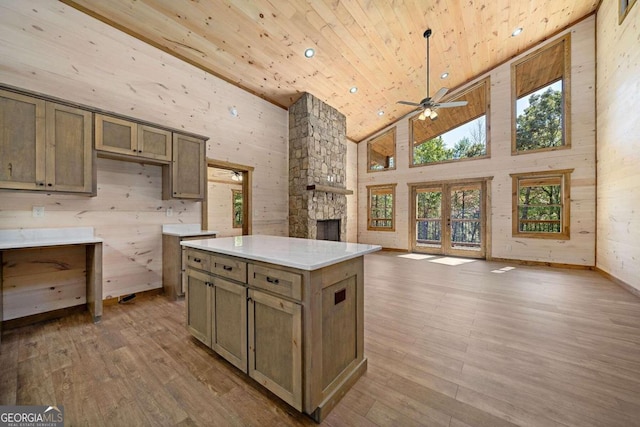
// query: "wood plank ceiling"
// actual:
[[374, 45]]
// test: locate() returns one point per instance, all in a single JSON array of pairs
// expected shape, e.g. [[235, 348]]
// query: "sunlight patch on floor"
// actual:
[[415, 256], [452, 261], [503, 270]]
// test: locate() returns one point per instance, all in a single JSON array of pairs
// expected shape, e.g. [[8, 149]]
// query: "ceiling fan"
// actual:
[[429, 105]]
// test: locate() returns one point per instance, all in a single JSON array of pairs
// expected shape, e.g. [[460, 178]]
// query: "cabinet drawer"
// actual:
[[276, 281], [229, 268], [198, 260]]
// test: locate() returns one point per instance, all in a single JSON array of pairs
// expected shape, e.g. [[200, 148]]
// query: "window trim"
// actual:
[[487, 123], [392, 188], [566, 96], [395, 157], [624, 6], [565, 175]]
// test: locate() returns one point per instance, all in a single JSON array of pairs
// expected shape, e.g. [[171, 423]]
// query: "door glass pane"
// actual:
[[466, 217], [429, 217]]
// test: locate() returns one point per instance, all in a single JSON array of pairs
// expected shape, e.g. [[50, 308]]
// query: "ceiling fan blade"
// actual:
[[452, 104], [413, 104], [439, 94]]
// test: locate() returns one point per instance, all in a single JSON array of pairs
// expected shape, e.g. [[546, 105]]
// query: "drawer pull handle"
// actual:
[[227, 268], [339, 296], [197, 260], [272, 280]]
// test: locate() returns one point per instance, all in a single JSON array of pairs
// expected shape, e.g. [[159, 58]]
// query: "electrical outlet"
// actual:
[[169, 211], [38, 211]]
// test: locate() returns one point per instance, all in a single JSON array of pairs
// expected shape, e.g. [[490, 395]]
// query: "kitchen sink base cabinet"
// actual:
[[302, 330]]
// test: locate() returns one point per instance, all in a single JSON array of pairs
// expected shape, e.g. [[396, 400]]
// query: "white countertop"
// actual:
[[37, 237], [186, 230], [304, 254]]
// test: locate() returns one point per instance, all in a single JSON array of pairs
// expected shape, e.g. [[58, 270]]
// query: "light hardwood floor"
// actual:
[[447, 346]]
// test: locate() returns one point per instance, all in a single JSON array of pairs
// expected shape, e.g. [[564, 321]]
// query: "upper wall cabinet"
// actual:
[[118, 136], [44, 146], [187, 177]]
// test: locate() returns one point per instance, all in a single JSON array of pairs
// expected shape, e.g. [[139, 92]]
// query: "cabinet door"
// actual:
[[188, 168], [116, 135], [22, 142], [229, 334], [69, 150], [199, 294], [154, 143], [275, 345]]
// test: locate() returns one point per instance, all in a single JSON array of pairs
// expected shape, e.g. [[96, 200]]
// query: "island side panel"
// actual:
[[332, 291]]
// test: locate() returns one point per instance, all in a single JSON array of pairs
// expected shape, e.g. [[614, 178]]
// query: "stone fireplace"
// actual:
[[317, 167]]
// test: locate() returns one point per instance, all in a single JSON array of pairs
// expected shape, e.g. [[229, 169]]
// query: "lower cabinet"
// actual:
[[275, 345], [199, 297], [217, 315]]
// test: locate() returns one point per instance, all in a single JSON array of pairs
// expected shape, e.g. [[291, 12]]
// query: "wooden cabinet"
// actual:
[[217, 313], [186, 180], [199, 296], [304, 330], [175, 261], [44, 146], [229, 328], [123, 137], [275, 345]]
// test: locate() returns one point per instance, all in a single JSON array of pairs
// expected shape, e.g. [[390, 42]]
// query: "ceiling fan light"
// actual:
[[433, 115], [427, 112], [422, 116]]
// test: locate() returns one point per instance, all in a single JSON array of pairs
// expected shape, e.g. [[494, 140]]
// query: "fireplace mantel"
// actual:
[[329, 189]]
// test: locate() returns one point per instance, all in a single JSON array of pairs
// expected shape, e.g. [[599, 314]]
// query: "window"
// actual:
[[456, 133], [625, 6], [541, 204], [381, 152], [381, 207], [236, 202], [540, 89]]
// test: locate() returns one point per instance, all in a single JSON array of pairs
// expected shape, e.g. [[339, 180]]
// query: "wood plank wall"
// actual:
[[618, 103], [48, 47], [580, 249]]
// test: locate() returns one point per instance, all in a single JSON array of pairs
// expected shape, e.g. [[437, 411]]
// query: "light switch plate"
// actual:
[[38, 211], [169, 211]]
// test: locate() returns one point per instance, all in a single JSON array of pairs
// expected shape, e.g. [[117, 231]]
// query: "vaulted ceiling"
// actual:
[[374, 45]]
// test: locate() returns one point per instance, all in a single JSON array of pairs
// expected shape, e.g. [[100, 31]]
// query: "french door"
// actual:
[[449, 218]]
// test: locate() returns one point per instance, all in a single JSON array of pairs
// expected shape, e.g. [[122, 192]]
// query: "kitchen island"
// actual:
[[288, 312]]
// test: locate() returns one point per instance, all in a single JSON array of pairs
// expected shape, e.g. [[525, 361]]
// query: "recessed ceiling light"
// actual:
[[444, 75], [309, 53], [516, 32], [353, 89], [380, 113]]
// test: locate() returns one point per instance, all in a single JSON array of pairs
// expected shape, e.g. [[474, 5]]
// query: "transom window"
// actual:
[[456, 133], [381, 152], [541, 203], [625, 6], [381, 207], [540, 90]]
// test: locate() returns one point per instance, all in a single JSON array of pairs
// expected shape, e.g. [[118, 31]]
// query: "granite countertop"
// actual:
[[303, 254], [186, 230], [37, 237]]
